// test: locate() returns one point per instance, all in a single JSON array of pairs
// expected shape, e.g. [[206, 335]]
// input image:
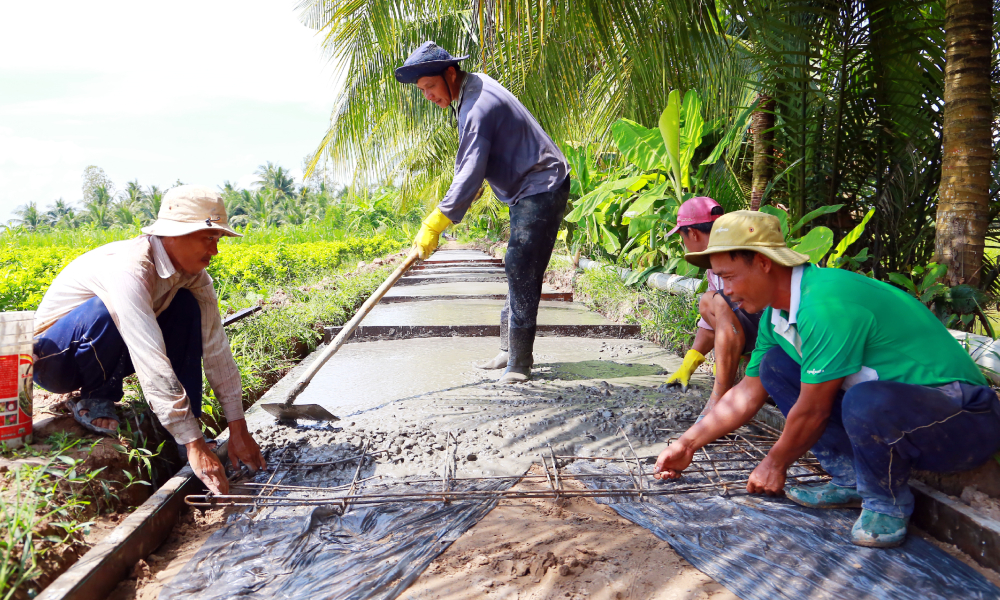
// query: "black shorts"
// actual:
[[748, 321]]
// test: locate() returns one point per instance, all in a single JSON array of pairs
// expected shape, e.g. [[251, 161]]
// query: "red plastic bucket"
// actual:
[[16, 359]]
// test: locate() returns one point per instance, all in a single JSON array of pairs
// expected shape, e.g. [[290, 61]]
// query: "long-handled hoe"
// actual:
[[285, 411]]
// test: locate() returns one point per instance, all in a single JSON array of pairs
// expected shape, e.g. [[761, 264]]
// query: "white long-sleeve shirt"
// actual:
[[137, 281]]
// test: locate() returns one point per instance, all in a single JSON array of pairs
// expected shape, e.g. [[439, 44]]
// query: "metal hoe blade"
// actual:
[[314, 412]]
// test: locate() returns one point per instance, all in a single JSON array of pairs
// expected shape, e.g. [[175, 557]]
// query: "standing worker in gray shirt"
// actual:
[[501, 142]]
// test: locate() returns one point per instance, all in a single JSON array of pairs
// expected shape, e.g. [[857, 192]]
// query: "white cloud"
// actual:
[[198, 90]]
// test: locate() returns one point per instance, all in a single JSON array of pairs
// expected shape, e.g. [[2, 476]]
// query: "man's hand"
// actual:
[[427, 238], [768, 478], [243, 448], [672, 461], [207, 467]]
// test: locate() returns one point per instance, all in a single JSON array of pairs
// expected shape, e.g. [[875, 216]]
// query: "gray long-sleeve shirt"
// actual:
[[501, 142]]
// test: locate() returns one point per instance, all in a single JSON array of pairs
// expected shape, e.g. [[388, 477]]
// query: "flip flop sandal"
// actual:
[[97, 408]]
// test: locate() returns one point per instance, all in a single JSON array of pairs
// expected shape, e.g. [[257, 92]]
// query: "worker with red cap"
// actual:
[[724, 328]]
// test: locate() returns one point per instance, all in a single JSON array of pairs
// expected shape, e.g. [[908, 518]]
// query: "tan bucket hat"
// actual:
[[189, 208], [747, 230]]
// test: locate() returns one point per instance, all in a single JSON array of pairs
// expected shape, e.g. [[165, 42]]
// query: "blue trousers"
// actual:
[[534, 223], [879, 431], [84, 351]]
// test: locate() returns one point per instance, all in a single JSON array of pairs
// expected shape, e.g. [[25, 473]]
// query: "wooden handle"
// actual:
[[349, 327]]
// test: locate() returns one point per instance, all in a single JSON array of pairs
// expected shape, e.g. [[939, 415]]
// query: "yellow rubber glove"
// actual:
[[681, 377], [427, 238]]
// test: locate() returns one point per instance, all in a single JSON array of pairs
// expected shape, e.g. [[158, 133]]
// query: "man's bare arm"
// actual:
[[805, 424], [734, 409]]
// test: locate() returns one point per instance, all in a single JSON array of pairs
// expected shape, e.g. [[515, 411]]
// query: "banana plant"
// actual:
[[817, 243], [627, 214]]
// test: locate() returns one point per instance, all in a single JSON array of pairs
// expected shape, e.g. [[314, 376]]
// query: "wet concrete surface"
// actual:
[[459, 270], [477, 288], [446, 256], [426, 277], [407, 396], [477, 312]]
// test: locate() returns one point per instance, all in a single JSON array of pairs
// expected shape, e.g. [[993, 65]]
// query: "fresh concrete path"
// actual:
[[466, 290], [477, 312], [585, 389]]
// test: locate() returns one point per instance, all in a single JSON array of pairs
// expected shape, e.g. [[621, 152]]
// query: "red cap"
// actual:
[[694, 211]]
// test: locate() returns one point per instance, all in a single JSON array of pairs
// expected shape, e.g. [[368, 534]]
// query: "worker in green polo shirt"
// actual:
[[867, 377]]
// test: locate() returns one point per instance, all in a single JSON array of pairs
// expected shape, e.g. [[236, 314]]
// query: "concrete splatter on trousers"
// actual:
[[534, 223], [878, 431]]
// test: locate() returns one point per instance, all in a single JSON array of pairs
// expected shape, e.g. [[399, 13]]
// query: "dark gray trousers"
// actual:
[[534, 223]]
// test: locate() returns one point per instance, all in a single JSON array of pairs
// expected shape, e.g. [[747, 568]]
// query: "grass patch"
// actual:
[[306, 279], [666, 319], [270, 343]]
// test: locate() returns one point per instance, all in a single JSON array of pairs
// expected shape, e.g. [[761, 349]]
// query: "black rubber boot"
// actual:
[[522, 342], [500, 360]]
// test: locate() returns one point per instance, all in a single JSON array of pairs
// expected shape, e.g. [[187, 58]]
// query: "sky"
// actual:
[[201, 91]]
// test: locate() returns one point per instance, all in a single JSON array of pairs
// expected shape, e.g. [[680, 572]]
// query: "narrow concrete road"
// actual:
[[407, 384], [587, 384]]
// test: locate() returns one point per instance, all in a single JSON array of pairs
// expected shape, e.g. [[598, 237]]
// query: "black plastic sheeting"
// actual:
[[372, 552], [765, 548]]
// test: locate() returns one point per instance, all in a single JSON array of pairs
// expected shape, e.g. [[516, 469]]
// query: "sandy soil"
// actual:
[[951, 549], [534, 549], [529, 549], [150, 575]]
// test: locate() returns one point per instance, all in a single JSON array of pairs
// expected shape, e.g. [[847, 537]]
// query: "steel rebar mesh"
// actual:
[[722, 467]]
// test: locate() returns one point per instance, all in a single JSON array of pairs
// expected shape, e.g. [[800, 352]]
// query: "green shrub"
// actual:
[[668, 320], [242, 272]]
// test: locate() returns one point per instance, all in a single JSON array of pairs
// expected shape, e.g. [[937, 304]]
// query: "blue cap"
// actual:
[[428, 59]]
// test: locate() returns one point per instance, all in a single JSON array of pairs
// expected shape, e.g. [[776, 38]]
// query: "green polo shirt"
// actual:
[[842, 324]]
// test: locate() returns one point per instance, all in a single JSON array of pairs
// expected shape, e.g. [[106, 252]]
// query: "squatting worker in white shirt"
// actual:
[[147, 306]]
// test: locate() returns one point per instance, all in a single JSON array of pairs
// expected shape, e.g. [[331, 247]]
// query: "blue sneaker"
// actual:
[[877, 530], [826, 495]]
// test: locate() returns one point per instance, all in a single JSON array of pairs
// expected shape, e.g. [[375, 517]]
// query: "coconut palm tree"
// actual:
[[29, 216], [963, 213], [578, 66], [98, 212], [61, 214], [149, 204], [272, 176]]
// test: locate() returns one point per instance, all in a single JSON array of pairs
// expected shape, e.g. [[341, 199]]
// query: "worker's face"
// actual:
[[749, 285], [193, 252], [694, 240], [435, 89]]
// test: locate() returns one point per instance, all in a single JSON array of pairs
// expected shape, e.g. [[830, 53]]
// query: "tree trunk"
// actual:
[[963, 198], [763, 149]]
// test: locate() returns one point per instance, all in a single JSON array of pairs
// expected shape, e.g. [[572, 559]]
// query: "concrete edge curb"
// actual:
[[955, 523], [141, 533]]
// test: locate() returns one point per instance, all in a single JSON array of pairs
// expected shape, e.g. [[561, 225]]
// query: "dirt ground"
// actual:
[[150, 575], [535, 549], [530, 549]]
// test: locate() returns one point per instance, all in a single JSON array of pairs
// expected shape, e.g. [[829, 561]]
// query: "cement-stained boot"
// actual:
[[826, 495], [500, 360], [522, 342], [878, 530]]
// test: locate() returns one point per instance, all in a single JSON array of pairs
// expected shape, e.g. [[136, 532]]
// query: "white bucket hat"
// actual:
[[189, 208]]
